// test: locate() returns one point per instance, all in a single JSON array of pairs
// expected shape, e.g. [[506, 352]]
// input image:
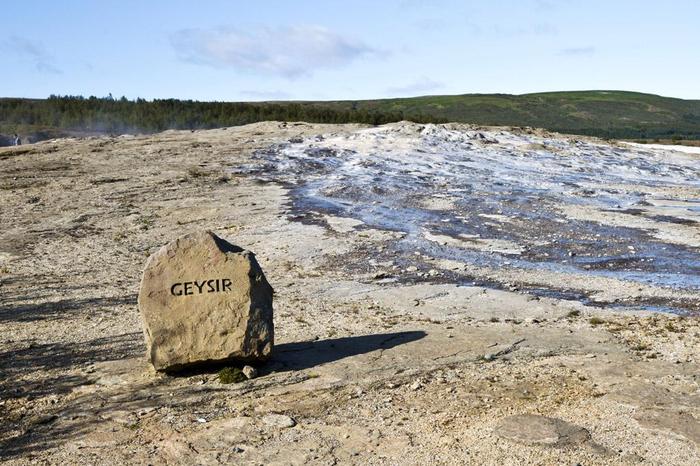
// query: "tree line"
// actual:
[[110, 115]]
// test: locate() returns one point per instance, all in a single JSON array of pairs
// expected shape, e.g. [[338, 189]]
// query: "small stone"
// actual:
[[146, 410], [416, 385], [280, 421], [250, 372]]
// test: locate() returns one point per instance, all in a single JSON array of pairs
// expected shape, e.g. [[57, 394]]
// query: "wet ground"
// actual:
[[504, 200]]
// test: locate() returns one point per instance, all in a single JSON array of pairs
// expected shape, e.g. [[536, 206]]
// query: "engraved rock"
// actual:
[[204, 300]]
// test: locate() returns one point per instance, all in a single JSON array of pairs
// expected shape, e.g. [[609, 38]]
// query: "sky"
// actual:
[[331, 50]]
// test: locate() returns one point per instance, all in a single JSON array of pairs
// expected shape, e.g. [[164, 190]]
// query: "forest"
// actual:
[[608, 114], [57, 115]]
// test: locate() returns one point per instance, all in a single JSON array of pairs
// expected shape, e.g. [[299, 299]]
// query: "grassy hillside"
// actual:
[[615, 114]]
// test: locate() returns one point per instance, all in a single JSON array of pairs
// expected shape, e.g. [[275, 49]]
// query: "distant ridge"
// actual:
[[610, 114], [607, 113]]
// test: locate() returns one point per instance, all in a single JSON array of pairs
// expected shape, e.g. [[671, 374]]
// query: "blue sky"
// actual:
[[271, 50]]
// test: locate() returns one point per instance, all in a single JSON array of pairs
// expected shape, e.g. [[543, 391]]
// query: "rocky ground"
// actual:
[[401, 339]]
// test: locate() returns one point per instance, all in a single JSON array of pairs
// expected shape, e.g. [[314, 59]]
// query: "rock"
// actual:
[[416, 385], [281, 421], [250, 372], [204, 300], [146, 410], [532, 429]]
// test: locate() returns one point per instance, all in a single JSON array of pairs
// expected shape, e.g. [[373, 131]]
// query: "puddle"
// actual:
[[493, 198]]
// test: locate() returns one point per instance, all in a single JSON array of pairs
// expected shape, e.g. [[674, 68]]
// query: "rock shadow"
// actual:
[[57, 309], [308, 354], [46, 360]]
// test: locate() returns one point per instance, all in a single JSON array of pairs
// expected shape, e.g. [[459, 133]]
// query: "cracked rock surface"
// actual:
[[398, 340]]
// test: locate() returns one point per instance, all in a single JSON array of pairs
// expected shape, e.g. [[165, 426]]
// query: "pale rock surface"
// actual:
[[532, 429], [205, 300], [281, 421], [73, 347]]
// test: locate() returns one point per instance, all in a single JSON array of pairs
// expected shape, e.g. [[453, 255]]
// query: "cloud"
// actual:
[[32, 52], [431, 24], [290, 52], [267, 95], [429, 4], [537, 29], [420, 85], [578, 51], [548, 6], [543, 29]]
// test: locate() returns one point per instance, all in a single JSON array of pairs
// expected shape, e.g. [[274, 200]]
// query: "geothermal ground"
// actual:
[[434, 284]]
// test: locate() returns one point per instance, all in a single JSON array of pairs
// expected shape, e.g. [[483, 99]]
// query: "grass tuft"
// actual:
[[231, 375], [596, 321]]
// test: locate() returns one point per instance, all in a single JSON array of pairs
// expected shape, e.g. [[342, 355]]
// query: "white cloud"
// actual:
[[504, 30], [423, 84], [287, 51], [32, 52], [578, 51]]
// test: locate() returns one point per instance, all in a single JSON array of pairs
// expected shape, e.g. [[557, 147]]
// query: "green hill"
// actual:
[[613, 114]]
